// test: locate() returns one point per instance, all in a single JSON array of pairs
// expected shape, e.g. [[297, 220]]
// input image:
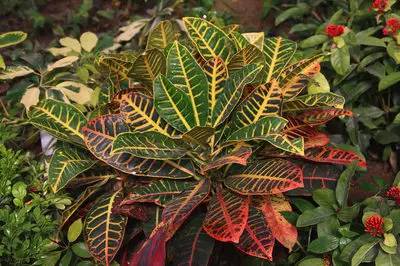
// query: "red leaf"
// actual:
[[257, 239], [321, 116], [227, 215], [328, 154], [179, 208], [239, 156], [312, 138], [281, 229]]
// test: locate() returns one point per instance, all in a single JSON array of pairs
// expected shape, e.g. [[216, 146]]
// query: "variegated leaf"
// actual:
[[282, 142], [62, 120], [311, 101], [180, 208], [265, 177], [328, 154], [160, 192], [233, 89], [238, 156], [248, 55], [239, 40], [210, 40], [173, 104], [256, 39], [116, 65], [150, 145], [104, 230], [278, 53], [161, 35], [226, 215], [316, 117], [66, 163], [199, 135], [147, 66], [185, 74], [257, 239]]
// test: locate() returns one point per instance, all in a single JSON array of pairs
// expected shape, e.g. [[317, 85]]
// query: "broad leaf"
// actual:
[[238, 156], [147, 66], [328, 154], [233, 89], [66, 163], [210, 40], [117, 66], [199, 135], [246, 56], [62, 120], [160, 192], [282, 142], [265, 178], [12, 38], [179, 209], [12, 72], [161, 35], [316, 117], [226, 216], [150, 145], [104, 230], [173, 104], [255, 38], [306, 102], [257, 239], [185, 74], [278, 53]]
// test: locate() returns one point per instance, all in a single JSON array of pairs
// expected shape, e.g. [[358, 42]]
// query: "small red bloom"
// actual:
[[374, 225], [392, 27], [394, 194], [333, 30], [380, 5]]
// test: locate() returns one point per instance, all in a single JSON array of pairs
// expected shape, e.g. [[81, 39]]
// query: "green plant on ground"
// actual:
[[205, 122]]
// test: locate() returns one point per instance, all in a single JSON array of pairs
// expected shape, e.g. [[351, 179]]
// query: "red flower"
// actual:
[[333, 30], [394, 194], [380, 5], [392, 27], [374, 225]]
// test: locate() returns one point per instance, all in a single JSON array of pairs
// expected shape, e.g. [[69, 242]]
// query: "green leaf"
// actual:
[[88, 41], [147, 66], [12, 38], [384, 259], [313, 41], [80, 250], [343, 183], [323, 244], [362, 252], [282, 142], [260, 129], [370, 41], [324, 197], [150, 145], [66, 163], [185, 74], [75, 230], [314, 216], [394, 51], [173, 104], [306, 102], [233, 89], [389, 80], [248, 55], [348, 214], [2, 63], [161, 35], [62, 120], [340, 60], [294, 12], [319, 84], [312, 262]]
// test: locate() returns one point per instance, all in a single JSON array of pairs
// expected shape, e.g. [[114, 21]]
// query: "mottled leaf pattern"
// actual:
[[321, 116], [328, 154], [311, 101], [161, 35], [248, 55], [116, 65], [237, 156], [282, 142], [199, 135], [147, 66]]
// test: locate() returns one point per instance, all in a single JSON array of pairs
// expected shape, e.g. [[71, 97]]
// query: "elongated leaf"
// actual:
[[248, 55], [238, 39], [265, 178], [295, 78], [328, 154], [321, 116], [199, 135], [282, 142], [238, 156], [233, 89], [104, 230], [150, 145], [192, 246], [12, 38], [263, 101], [173, 169], [173, 105], [306, 102], [281, 229], [185, 74], [226, 216], [260, 129], [159, 192], [62, 120], [65, 164], [116, 65], [216, 72], [210, 40], [179, 209], [140, 114], [278, 53], [12, 72], [147, 66], [257, 239], [161, 35]]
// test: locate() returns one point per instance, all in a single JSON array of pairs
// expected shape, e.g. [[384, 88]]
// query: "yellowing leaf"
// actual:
[[71, 43], [129, 31], [2, 64], [69, 89], [30, 97], [255, 38], [66, 61], [88, 41], [14, 72], [64, 51]]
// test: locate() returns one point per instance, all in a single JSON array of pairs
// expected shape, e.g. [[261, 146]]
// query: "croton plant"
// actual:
[[194, 139]]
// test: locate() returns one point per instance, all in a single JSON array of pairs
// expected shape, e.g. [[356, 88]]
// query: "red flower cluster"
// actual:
[[333, 30], [374, 225], [380, 5], [394, 194], [392, 27]]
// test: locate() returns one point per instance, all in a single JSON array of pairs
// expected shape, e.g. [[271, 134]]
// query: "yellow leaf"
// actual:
[[66, 61], [255, 38], [30, 97], [2, 64], [64, 51], [88, 41], [14, 72], [69, 88], [129, 31], [71, 43]]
